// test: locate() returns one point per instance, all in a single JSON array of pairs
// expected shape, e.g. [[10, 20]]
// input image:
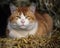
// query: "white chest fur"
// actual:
[[22, 33]]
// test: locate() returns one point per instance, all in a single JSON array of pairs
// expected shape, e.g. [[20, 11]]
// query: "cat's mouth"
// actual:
[[23, 27]]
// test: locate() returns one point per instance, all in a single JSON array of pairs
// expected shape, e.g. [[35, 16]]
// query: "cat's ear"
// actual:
[[32, 7], [12, 8]]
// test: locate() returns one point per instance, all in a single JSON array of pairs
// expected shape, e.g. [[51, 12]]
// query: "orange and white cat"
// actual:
[[25, 21]]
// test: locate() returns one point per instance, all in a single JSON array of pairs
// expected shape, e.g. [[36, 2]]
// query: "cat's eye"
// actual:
[[18, 16], [27, 17]]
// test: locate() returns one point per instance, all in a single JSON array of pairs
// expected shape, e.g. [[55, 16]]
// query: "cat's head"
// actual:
[[22, 17]]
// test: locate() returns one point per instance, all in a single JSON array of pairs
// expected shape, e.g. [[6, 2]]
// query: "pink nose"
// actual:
[[22, 21]]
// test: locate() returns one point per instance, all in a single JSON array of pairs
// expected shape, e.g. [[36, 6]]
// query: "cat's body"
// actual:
[[25, 21]]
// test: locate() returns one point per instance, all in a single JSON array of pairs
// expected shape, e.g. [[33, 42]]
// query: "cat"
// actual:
[[25, 21]]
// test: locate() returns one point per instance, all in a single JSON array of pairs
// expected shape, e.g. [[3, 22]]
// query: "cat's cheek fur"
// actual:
[[22, 33]]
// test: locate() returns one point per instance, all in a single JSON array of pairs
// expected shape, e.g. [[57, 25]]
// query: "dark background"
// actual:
[[4, 14]]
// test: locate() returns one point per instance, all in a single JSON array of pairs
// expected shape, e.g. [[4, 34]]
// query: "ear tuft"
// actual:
[[32, 7], [12, 8]]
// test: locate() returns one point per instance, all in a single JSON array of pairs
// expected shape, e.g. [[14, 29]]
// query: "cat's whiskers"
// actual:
[[22, 33]]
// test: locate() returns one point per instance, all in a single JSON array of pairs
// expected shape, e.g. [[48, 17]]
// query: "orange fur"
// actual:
[[45, 22]]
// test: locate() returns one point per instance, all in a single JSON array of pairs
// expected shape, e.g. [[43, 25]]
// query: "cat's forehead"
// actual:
[[23, 9], [22, 14]]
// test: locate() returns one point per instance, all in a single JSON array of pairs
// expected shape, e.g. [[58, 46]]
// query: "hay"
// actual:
[[32, 42]]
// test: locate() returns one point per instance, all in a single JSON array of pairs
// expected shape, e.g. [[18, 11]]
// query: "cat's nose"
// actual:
[[22, 21]]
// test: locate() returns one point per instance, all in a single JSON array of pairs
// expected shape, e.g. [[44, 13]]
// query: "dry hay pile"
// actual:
[[32, 42]]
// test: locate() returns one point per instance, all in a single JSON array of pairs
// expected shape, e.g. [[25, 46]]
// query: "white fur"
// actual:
[[18, 31], [22, 33], [23, 18]]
